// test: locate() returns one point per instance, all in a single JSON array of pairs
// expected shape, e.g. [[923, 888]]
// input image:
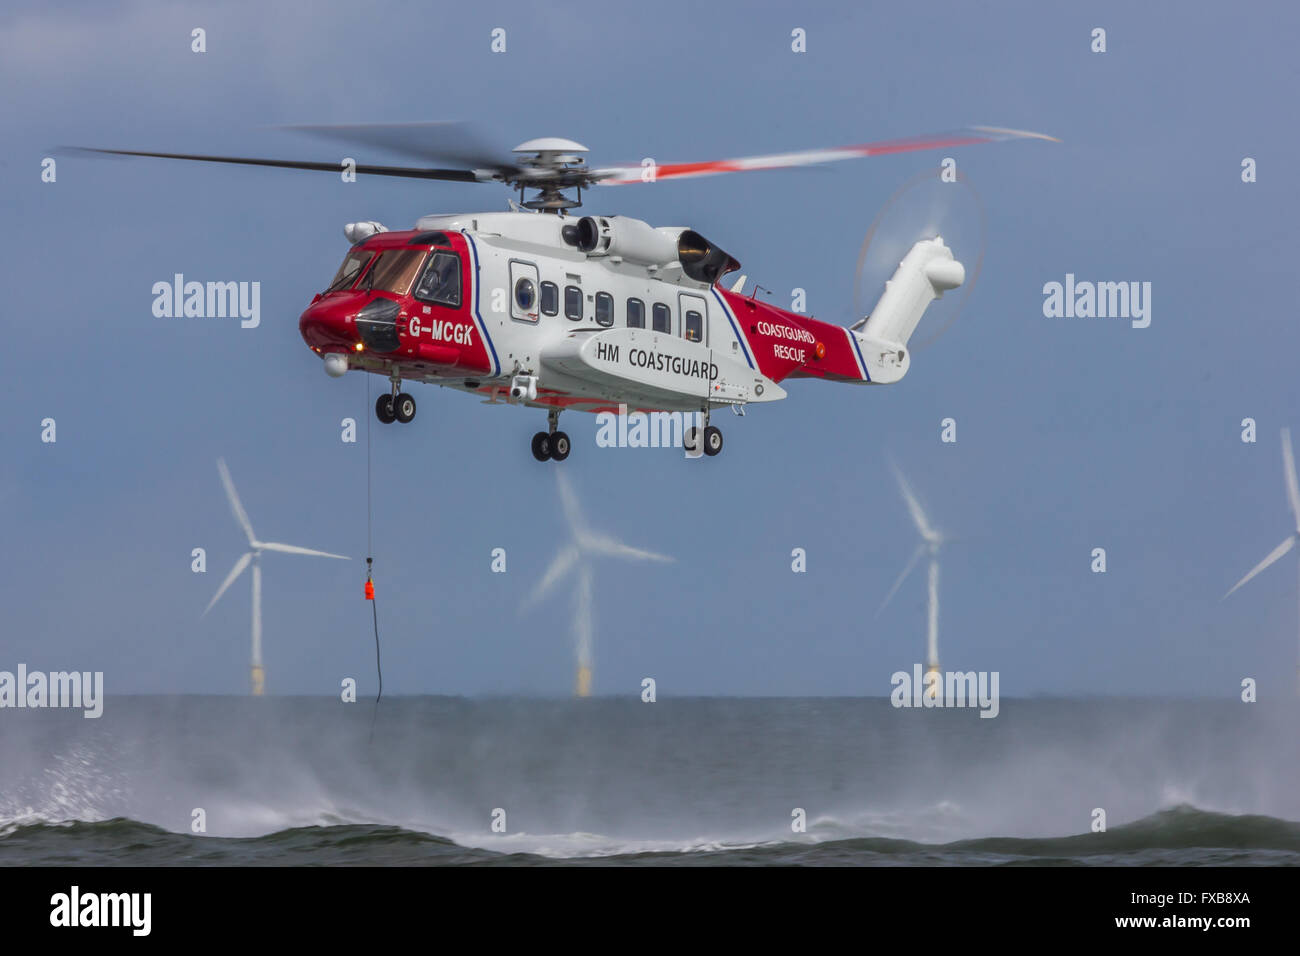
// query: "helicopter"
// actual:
[[543, 309]]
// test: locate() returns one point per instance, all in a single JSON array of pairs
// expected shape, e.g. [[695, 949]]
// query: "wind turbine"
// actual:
[[253, 556], [931, 542], [576, 557], [1293, 496]]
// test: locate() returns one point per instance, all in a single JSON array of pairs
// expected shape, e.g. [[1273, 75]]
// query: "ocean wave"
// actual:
[[1182, 833]]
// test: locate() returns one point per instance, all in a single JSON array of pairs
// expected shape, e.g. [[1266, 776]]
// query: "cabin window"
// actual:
[[604, 309], [661, 318], [635, 314], [572, 302], [352, 267], [440, 282], [550, 298], [694, 326], [525, 294]]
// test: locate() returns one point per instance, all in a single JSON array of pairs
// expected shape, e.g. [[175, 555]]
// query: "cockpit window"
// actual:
[[352, 265], [394, 271], [440, 282]]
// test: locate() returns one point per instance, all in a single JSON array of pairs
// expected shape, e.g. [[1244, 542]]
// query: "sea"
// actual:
[[451, 781]]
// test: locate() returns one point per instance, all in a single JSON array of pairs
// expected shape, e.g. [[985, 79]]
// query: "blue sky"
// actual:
[[1072, 433]]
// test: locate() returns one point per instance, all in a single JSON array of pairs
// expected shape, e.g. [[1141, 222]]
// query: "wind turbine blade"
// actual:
[[569, 501], [907, 569], [560, 566], [603, 544], [294, 549], [236, 508], [235, 572], [1276, 553], [1292, 490], [914, 506]]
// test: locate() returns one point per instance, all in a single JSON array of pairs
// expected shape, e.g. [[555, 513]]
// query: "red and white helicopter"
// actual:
[[556, 312]]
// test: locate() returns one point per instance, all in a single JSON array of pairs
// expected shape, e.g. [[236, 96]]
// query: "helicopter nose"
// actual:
[[325, 326]]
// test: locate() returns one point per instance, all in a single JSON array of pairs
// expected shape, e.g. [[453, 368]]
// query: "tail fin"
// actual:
[[925, 274]]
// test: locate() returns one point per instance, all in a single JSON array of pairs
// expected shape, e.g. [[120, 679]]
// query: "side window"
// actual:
[[572, 302], [604, 309], [550, 298], [525, 294], [440, 282], [635, 314], [694, 326], [661, 318]]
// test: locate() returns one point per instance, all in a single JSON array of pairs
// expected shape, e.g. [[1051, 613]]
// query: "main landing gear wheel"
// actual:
[[404, 408], [712, 440], [559, 446], [542, 446], [384, 409]]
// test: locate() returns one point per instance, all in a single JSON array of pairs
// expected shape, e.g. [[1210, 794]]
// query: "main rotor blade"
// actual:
[[443, 142], [235, 572], [1276, 553], [1292, 491], [604, 544], [907, 569], [914, 506], [294, 549], [405, 172], [560, 566], [232, 496], [623, 175]]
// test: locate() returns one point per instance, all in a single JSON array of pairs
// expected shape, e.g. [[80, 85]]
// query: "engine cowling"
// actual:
[[635, 241], [629, 239]]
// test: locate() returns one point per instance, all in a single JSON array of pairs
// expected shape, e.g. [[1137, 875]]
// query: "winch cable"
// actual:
[[370, 550]]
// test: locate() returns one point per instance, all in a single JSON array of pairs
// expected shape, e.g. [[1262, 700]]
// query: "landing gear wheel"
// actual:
[[691, 439], [542, 446], [712, 440], [559, 446], [384, 410], [404, 409]]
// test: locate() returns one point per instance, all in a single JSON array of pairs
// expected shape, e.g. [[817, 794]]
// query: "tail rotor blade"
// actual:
[[1276, 553], [235, 572]]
